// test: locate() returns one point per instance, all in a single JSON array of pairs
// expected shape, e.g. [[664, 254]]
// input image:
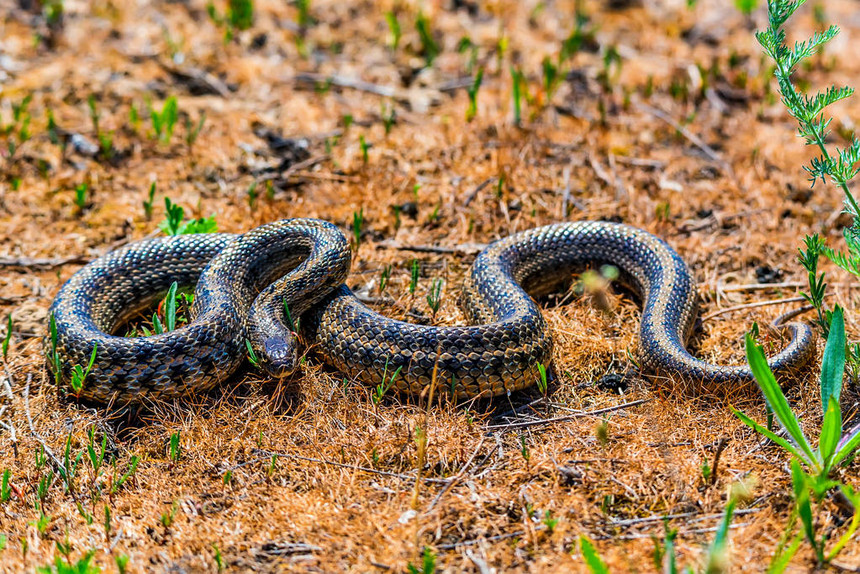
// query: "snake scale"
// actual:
[[242, 282]]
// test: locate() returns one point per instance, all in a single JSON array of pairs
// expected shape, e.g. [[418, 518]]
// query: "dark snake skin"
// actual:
[[499, 352]]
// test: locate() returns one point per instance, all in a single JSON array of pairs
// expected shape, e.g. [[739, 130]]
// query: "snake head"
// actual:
[[280, 356]]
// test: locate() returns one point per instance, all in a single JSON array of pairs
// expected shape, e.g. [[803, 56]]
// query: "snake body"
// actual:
[[304, 262]]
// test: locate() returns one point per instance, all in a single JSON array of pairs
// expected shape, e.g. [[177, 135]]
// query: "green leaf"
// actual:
[[773, 395], [831, 432], [592, 558], [846, 446], [780, 563], [833, 362], [718, 553], [772, 436], [170, 307], [801, 497]]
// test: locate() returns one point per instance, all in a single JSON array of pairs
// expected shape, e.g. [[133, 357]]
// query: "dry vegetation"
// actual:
[[664, 117]]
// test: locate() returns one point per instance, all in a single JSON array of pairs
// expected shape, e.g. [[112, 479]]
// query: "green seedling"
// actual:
[[394, 28], [164, 122], [7, 338], [148, 202]]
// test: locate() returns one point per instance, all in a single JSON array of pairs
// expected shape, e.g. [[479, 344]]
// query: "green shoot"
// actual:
[[7, 337], [252, 195], [175, 450], [219, 560], [542, 382], [362, 143], [175, 223], [252, 356], [383, 280], [163, 122], [434, 297], [121, 561], [357, 225], [413, 280], [81, 195], [595, 563], [518, 81], [383, 387], [79, 374], [147, 203], [5, 488], [394, 28], [472, 90], [817, 287], [429, 48], [192, 130], [428, 563], [167, 518]]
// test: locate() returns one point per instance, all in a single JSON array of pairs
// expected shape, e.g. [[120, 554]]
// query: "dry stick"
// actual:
[[760, 286], [751, 306], [462, 249], [285, 175], [456, 478], [721, 446], [10, 426], [655, 518], [706, 149], [472, 542], [471, 197], [42, 262], [568, 417], [269, 453], [343, 82]]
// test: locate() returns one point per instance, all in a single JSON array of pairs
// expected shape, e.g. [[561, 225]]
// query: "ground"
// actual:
[[663, 115]]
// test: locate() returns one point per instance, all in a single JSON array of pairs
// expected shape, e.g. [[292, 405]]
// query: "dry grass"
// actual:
[[343, 494]]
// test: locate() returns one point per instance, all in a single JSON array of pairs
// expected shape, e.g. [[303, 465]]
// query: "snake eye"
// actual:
[[280, 356]]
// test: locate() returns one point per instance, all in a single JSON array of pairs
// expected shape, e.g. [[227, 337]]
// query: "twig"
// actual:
[[661, 518], [568, 417], [349, 466], [285, 175], [43, 262], [342, 82], [471, 197], [721, 446], [496, 538], [461, 249], [751, 306], [693, 138], [760, 286], [456, 478]]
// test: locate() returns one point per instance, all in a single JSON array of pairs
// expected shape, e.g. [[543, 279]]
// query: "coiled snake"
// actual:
[[304, 262]]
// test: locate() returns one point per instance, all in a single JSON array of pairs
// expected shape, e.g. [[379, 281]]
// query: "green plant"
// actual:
[[434, 297], [175, 450], [549, 521], [429, 48], [809, 111], [362, 143], [252, 356], [79, 374], [389, 117], [105, 138], [542, 382], [746, 6], [219, 560], [385, 385], [8, 336], [192, 130], [833, 447], [518, 81], [817, 287], [121, 561], [472, 90], [18, 132], [167, 518], [54, 355], [82, 566], [383, 279], [394, 27], [81, 195], [175, 223], [147, 203], [164, 122], [428, 563], [595, 563], [252, 195], [5, 488], [413, 277], [117, 481], [357, 225]]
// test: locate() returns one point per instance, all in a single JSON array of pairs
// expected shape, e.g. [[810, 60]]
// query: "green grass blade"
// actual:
[[773, 395], [592, 558], [780, 563], [846, 446], [831, 432], [772, 436], [833, 361]]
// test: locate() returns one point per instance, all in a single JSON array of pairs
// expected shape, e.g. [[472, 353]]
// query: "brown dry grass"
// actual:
[[343, 496]]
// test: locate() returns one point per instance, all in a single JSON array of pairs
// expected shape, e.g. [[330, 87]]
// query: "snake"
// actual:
[[250, 288]]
